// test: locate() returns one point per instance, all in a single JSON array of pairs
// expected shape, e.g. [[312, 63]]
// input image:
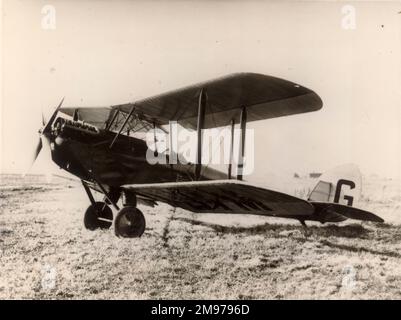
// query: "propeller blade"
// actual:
[[42, 145], [50, 122], [43, 120], [75, 117], [38, 148], [37, 151]]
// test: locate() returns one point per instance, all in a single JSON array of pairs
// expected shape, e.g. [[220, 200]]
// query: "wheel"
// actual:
[[129, 223], [98, 216]]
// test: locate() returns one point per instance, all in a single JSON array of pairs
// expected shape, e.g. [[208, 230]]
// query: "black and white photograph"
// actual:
[[200, 150]]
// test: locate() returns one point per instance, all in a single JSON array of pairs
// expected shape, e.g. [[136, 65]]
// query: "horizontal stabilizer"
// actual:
[[332, 212]]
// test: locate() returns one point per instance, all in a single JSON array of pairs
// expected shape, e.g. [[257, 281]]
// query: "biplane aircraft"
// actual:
[[98, 145]]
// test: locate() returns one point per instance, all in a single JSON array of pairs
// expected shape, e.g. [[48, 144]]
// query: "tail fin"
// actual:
[[336, 191], [341, 185]]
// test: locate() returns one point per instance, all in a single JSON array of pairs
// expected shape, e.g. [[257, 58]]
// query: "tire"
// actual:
[[95, 214], [129, 223]]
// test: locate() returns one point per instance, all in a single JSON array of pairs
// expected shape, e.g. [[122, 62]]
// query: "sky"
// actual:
[[103, 53]]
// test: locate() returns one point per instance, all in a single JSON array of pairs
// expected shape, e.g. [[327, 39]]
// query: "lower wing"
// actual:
[[233, 196], [223, 196]]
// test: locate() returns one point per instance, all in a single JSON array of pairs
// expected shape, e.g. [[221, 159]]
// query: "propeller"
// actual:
[[47, 127], [44, 134]]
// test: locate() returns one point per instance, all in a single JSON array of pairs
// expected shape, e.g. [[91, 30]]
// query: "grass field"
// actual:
[[47, 253]]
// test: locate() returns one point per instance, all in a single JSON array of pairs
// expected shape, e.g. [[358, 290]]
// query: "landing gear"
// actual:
[[129, 223], [98, 216]]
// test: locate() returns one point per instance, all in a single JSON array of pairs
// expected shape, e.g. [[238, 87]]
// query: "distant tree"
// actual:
[[314, 175]]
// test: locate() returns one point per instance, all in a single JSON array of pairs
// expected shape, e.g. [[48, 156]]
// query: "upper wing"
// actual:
[[264, 97], [223, 196]]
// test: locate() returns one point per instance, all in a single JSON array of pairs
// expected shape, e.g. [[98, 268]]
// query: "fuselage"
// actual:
[[86, 152]]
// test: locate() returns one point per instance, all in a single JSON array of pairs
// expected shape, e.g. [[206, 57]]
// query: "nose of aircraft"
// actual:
[[44, 134]]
